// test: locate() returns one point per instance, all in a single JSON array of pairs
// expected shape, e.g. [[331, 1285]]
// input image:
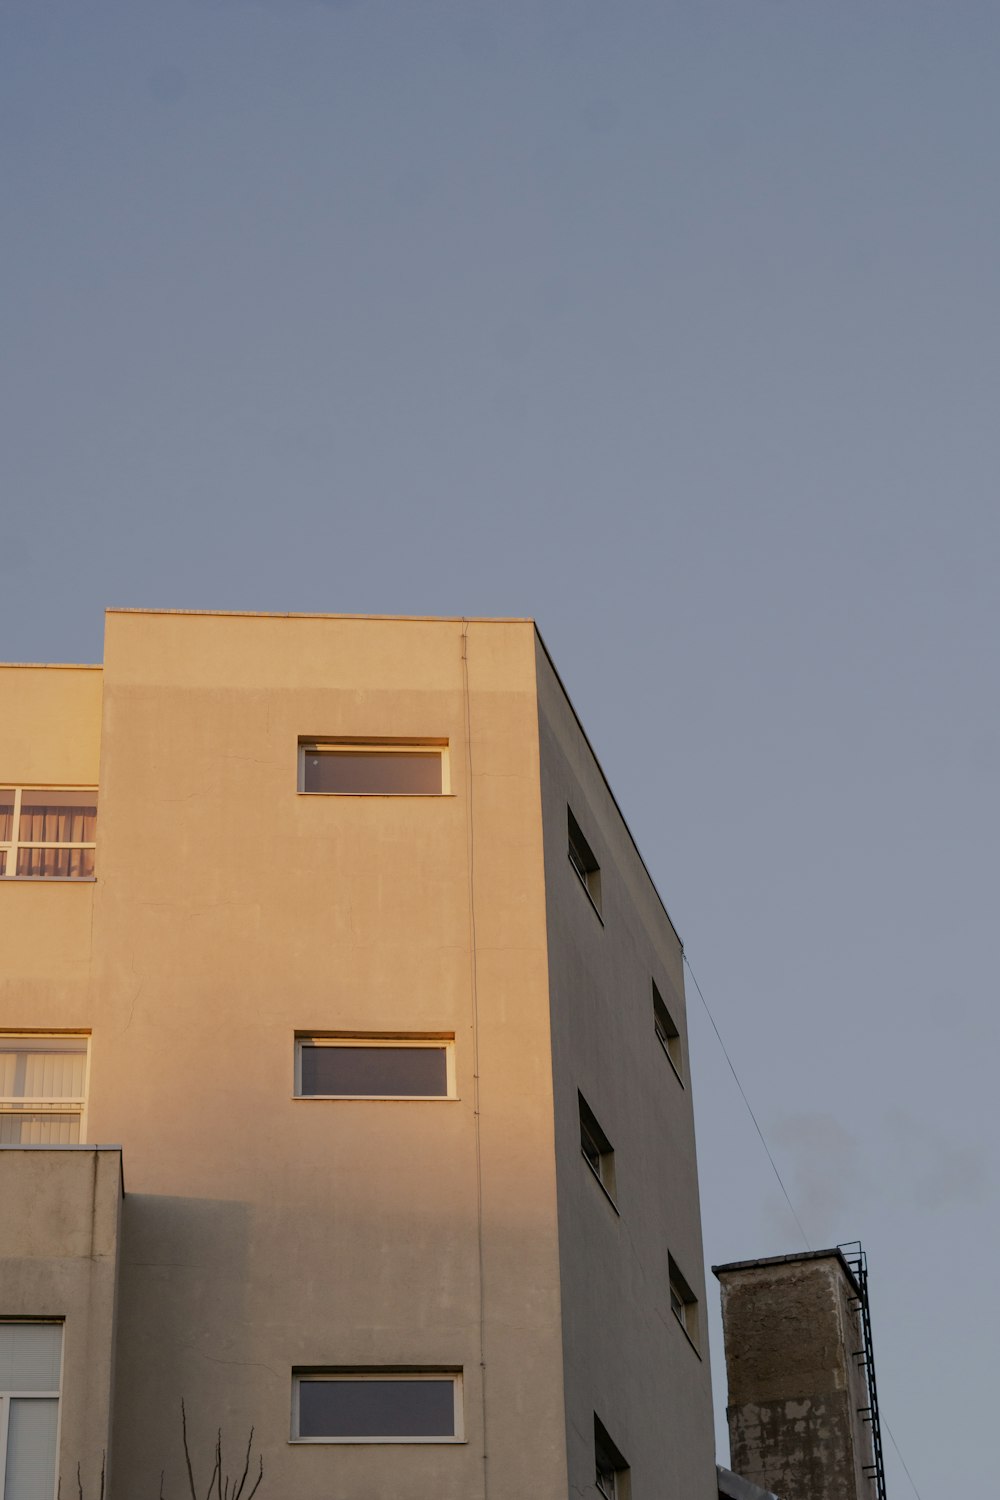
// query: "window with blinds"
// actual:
[[30, 1368], [42, 1091]]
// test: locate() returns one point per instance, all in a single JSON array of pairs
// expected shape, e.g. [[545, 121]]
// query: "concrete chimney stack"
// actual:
[[803, 1415]]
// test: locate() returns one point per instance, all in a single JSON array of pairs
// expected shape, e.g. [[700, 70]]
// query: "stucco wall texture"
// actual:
[[263, 1232], [626, 1354], [797, 1394], [60, 1213]]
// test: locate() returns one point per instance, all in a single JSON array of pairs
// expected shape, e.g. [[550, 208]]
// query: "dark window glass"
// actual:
[[376, 1408], [577, 861], [683, 1302], [581, 857], [385, 771], [590, 1149], [597, 1148], [405, 1071], [667, 1032], [610, 1465], [65, 863]]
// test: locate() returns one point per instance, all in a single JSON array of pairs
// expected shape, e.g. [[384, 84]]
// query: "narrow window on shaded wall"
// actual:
[[683, 1302], [373, 1067], [42, 1090], [612, 1477], [596, 1149], [581, 857], [377, 1406], [47, 833], [667, 1033], [373, 768], [30, 1365]]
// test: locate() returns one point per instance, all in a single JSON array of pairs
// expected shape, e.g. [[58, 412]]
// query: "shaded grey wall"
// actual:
[[627, 1357]]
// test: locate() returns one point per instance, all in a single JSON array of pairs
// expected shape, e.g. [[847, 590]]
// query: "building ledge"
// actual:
[[735, 1487], [834, 1253]]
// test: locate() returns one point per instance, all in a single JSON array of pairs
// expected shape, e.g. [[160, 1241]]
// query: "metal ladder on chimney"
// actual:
[[858, 1262]]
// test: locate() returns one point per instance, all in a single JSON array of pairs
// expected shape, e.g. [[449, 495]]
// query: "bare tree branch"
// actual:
[[256, 1487], [187, 1451], [217, 1466], [246, 1468], [220, 1485]]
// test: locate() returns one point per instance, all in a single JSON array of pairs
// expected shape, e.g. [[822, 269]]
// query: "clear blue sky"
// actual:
[[674, 324]]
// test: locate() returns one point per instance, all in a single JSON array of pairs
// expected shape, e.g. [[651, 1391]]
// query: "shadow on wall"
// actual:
[[183, 1284], [230, 1485]]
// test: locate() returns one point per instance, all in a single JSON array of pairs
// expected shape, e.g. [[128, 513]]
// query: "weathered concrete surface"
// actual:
[[59, 1247], [796, 1390]]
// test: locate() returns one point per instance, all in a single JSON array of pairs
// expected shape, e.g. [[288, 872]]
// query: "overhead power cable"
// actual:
[[774, 1168], [902, 1460], [746, 1101]]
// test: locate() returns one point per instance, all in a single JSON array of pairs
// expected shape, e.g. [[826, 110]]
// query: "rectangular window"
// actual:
[[42, 1088], [683, 1302], [597, 1150], [612, 1480], [374, 1067], [30, 1367], [581, 857], [371, 768], [667, 1034], [377, 1406], [47, 833]]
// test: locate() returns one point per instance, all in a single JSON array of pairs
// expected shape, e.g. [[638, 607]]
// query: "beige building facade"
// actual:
[[333, 926]]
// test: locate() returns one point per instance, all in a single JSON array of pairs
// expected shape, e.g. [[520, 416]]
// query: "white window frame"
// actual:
[[52, 1104], [384, 1372], [670, 1041], [611, 1469], [11, 846], [604, 1171], [380, 1039], [584, 862], [683, 1303], [7, 1396], [346, 745]]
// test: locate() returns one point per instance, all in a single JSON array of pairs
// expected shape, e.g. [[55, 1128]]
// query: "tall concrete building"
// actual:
[[344, 1085]]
